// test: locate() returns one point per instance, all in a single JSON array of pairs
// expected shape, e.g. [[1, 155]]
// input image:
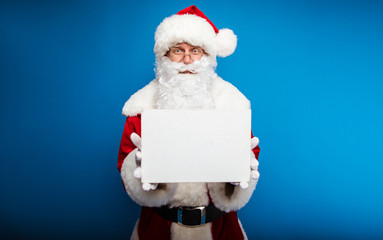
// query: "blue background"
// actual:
[[312, 70]]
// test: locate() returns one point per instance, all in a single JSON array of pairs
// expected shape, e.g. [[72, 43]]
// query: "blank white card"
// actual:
[[196, 145]]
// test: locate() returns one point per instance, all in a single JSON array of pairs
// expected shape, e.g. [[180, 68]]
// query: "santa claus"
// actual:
[[186, 46]]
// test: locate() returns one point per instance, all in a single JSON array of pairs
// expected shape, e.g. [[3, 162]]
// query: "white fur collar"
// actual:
[[225, 95]]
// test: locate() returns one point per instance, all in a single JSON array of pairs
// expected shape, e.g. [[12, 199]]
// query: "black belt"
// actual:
[[190, 216]]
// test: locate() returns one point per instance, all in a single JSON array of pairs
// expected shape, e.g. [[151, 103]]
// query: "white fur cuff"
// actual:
[[133, 186], [234, 201]]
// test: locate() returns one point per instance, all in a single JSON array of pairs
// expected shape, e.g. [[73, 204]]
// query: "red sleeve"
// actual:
[[256, 150], [132, 124]]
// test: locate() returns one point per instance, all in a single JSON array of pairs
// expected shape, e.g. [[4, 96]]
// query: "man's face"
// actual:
[[184, 75], [186, 53]]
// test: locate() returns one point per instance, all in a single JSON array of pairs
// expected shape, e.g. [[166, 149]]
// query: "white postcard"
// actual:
[[196, 145]]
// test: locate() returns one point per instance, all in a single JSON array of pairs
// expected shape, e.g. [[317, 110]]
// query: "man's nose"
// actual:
[[187, 59]]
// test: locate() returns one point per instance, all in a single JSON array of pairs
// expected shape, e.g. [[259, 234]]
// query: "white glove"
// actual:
[[254, 174], [138, 172]]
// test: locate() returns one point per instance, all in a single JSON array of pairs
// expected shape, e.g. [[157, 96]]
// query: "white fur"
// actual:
[[226, 42], [228, 97], [234, 202], [243, 231], [191, 233], [133, 186], [134, 235], [195, 31], [184, 28], [141, 100], [190, 194], [225, 95]]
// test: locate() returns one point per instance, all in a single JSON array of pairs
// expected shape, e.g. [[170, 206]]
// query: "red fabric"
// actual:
[[152, 226], [132, 124], [256, 150], [195, 11], [227, 228]]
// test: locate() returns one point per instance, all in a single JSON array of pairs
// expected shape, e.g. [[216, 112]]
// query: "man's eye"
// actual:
[[196, 50]]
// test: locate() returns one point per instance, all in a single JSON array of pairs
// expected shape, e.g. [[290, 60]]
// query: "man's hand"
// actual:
[[138, 172], [254, 174]]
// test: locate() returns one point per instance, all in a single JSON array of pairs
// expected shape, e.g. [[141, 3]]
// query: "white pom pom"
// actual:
[[226, 42]]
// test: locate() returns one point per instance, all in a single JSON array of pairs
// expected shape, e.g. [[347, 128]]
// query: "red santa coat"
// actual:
[[151, 225]]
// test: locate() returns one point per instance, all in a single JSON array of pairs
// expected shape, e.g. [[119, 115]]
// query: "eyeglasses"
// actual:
[[179, 54]]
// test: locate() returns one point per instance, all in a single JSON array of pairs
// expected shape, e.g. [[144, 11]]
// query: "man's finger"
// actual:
[[153, 186], [254, 142], [137, 173], [138, 158], [254, 174], [148, 186], [136, 140], [254, 163], [244, 184]]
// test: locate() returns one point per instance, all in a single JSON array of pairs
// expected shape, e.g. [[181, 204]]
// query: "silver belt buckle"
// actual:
[[180, 212]]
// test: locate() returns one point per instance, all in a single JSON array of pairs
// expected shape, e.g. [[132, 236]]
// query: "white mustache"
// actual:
[[193, 67], [174, 68]]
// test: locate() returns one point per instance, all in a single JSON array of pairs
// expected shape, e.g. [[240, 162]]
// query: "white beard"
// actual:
[[185, 91]]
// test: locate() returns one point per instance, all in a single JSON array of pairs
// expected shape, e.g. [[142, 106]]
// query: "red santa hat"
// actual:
[[192, 26]]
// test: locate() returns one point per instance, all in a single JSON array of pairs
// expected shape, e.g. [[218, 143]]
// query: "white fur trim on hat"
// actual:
[[184, 28], [195, 31]]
